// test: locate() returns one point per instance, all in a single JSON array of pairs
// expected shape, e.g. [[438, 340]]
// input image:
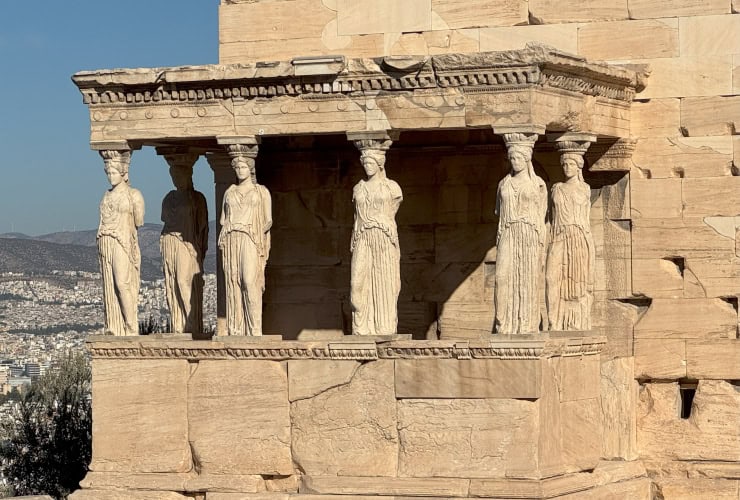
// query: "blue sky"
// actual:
[[50, 180]]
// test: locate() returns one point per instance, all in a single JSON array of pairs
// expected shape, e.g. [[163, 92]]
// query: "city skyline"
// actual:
[[50, 180]]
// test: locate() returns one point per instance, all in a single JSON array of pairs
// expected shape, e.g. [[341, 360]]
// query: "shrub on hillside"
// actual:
[[46, 440]]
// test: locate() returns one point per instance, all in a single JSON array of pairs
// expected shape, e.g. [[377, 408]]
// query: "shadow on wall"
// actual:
[[446, 223]]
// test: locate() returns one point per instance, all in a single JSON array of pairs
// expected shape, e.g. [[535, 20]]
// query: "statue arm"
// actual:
[[396, 196], [267, 207], [138, 207]]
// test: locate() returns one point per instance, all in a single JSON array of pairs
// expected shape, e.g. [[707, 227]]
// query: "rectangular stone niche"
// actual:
[[348, 417]]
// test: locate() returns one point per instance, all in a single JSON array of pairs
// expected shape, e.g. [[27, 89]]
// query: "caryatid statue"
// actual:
[[375, 274], [570, 258], [183, 243], [521, 204], [246, 220], [121, 213]]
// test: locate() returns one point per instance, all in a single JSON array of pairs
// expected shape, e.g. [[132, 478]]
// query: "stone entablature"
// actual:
[[537, 85], [531, 347]]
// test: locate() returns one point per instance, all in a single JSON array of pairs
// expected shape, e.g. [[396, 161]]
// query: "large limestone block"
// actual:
[[244, 401], [553, 12], [662, 359], [688, 319], [581, 434], [693, 488], [711, 197], [716, 277], [308, 378], [358, 17], [618, 405], [736, 69], [140, 419], [395, 487], [319, 247], [460, 320], [656, 118], [633, 489], [656, 198], [436, 42], [562, 36], [473, 13], [126, 495], [710, 35], [467, 379], [443, 282], [716, 359], [629, 39], [657, 278], [717, 115], [349, 430], [693, 238], [684, 156], [710, 433], [579, 378], [246, 22], [549, 449], [687, 76], [615, 320], [463, 242], [467, 438], [647, 9]]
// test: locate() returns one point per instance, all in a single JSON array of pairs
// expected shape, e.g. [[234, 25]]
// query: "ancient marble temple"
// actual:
[[459, 256]]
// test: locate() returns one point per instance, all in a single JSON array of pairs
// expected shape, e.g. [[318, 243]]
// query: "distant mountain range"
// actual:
[[77, 251]]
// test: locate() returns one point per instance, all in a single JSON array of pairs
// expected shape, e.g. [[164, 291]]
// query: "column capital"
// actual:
[[227, 140], [380, 140], [179, 156], [524, 128], [572, 142], [113, 146]]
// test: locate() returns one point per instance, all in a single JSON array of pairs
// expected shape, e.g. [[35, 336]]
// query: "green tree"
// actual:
[[47, 438]]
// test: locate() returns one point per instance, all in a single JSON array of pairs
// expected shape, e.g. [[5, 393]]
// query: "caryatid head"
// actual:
[[116, 165]]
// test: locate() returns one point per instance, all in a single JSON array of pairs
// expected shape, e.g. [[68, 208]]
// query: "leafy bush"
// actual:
[[47, 438]]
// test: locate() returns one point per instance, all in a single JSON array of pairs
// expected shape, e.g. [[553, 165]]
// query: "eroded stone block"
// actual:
[[709, 433], [716, 359], [349, 430], [709, 35], [688, 318], [581, 434], [553, 12], [467, 437], [717, 115], [140, 419], [308, 378], [629, 39], [656, 198], [248, 400], [467, 379], [684, 156], [358, 17], [656, 118], [687, 76], [563, 36], [454, 14], [662, 359], [618, 406], [646, 9], [712, 197]]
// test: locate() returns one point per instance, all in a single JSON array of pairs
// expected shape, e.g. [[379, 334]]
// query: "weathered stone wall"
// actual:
[[669, 295], [264, 418]]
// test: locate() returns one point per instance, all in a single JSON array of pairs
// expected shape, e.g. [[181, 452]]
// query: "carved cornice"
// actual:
[[353, 349], [534, 66]]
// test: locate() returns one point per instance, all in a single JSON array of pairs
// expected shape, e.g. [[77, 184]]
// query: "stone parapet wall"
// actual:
[[497, 417]]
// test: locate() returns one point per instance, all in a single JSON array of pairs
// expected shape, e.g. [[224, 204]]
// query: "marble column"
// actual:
[[121, 214], [521, 205], [571, 253], [375, 271], [223, 177], [183, 243], [244, 239]]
